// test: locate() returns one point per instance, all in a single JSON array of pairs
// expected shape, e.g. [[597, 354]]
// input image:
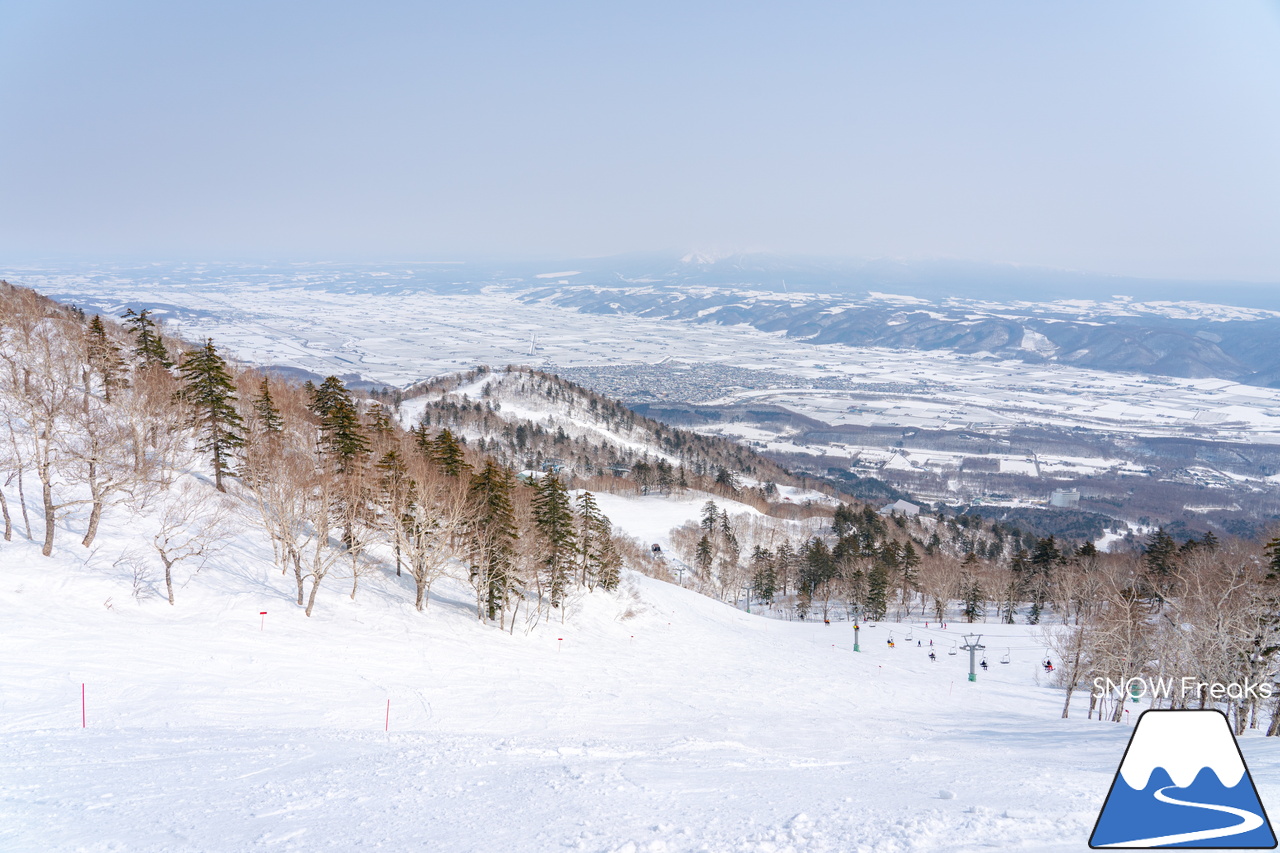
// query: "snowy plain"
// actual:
[[650, 719], [390, 326], [391, 331]]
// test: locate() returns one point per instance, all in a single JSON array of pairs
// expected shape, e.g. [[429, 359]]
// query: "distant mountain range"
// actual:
[[929, 279], [1169, 340]]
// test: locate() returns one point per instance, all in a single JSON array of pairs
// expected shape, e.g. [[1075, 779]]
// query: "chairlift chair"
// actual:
[[909, 638], [1005, 658], [952, 650]]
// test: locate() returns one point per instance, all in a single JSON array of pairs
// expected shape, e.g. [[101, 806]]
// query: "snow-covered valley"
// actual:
[[942, 424]]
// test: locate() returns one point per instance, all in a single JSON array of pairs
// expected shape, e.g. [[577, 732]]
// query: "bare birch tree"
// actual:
[[195, 523]]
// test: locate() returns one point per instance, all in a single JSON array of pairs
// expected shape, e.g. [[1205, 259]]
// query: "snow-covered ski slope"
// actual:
[[651, 719]]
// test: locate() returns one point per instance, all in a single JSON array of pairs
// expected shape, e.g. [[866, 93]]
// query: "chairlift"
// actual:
[[984, 663], [909, 638], [1005, 658], [952, 650]]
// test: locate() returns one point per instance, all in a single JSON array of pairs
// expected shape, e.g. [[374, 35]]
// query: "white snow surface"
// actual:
[[1183, 744], [649, 719]]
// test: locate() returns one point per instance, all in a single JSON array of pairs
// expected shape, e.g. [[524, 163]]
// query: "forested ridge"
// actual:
[[112, 415]]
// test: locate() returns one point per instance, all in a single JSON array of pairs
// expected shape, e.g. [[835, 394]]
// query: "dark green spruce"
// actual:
[[148, 345], [207, 388]]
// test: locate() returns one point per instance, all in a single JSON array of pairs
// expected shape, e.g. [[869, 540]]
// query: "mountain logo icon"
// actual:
[[1183, 783]]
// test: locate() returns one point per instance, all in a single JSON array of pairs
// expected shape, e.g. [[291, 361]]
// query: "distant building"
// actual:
[[554, 466], [1064, 498], [904, 507]]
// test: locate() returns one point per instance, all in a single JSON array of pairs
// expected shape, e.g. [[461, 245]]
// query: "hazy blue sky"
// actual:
[[1140, 138]]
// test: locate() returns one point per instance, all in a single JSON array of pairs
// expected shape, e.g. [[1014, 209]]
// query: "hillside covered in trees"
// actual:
[[495, 478]]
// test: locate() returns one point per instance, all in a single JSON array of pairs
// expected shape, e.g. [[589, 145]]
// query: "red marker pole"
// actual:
[[83, 721], [263, 614], [388, 726], [559, 641]]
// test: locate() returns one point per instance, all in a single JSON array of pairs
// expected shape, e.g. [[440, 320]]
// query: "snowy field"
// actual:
[[389, 330], [652, 719]]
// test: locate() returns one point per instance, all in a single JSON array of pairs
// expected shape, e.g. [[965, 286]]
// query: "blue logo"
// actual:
[[1183, 783]]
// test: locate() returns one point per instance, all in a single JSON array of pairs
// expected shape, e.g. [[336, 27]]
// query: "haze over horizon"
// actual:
[[1135, 140]]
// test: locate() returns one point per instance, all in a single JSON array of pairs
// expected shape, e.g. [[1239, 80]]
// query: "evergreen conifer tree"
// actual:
[[910, 578], [600, 560], [764, 577], [1272, 550], [327, 395], [207, 388], [148, 343], [492, 533], [342, 435], [421, 440], [818, 567], [393, 477], [704, 556], [380, 422], [104, 358], [783, 560], [265, 411], [877, 591], [844, 522], [554, 519], [446, 452], [726, 479], [1160, 560], [972, 596], [710, 513]]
